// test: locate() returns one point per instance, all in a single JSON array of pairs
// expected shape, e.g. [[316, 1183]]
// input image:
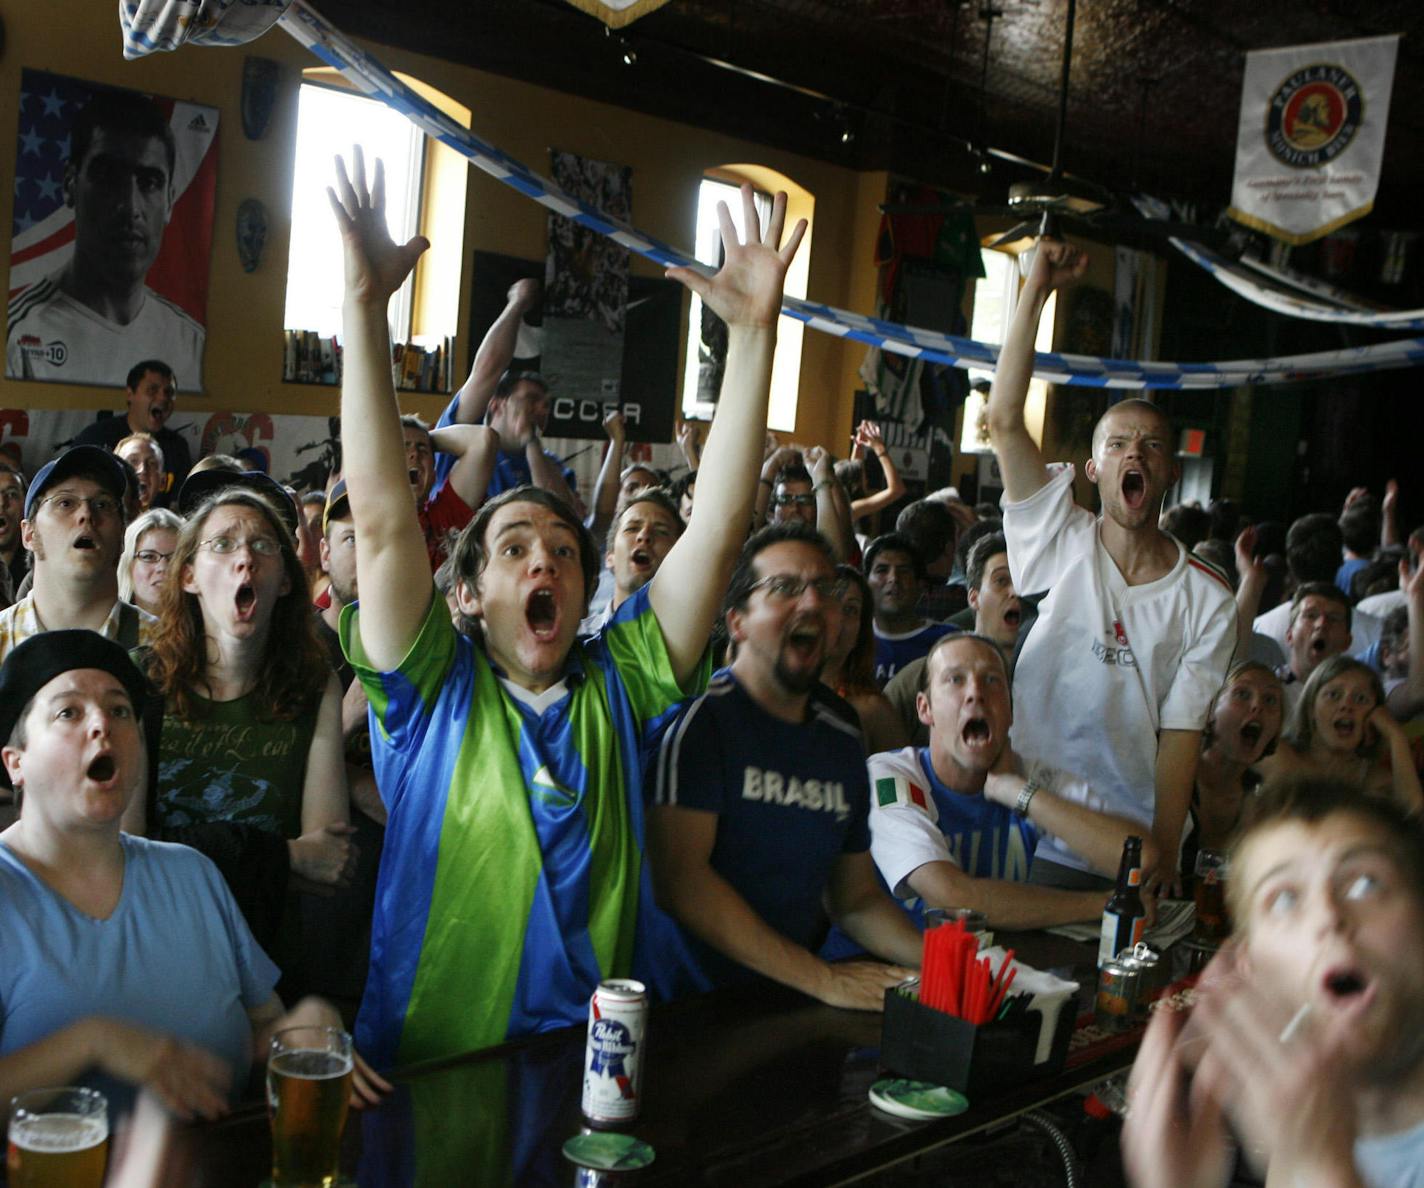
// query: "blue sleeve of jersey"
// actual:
[[402, 700], [444, 463]]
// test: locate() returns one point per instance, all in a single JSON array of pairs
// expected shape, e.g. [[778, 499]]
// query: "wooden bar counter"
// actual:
[[742, 1087]]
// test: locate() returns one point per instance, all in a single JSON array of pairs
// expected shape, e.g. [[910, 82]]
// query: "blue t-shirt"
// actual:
[[1346, 573], [175, 956], [894, 651], [1392, 1160], [510, 470], [791, 798]]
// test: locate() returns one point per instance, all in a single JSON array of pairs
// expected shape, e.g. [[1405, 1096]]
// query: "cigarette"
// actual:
[[1297, 1020]]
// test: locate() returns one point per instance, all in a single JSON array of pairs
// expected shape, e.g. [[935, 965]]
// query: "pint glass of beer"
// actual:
[[308, 1089], [59, 1138]]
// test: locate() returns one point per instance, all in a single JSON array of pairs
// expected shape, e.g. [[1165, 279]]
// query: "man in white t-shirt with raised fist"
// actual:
[[1133, 639]]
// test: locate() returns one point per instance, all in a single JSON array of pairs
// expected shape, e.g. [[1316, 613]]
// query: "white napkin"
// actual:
[[1048, 993]]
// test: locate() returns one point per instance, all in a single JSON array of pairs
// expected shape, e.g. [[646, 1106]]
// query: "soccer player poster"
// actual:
[[112, 234]]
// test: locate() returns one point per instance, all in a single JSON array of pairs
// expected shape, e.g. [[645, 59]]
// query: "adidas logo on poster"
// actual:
[[198, 124]]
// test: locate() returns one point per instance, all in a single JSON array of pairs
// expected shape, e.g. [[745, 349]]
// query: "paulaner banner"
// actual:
[[1311, 137]]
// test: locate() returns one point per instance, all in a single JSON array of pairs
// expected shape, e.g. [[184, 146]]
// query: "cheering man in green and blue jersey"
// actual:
[[513, 877]]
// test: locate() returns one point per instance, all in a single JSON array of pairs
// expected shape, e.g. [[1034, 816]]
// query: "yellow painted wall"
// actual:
[[244, 345]]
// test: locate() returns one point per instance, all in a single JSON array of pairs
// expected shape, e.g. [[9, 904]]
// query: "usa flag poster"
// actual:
[[111, 241]]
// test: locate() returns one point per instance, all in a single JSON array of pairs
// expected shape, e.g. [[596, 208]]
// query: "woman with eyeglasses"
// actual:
[[148, 548], [250, 767]]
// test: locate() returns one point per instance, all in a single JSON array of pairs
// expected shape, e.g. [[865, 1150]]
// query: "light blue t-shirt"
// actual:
[[1392, 1160], [175, 956]]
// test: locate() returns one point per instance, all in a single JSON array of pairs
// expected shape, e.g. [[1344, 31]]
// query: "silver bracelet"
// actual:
[[1031, 786]]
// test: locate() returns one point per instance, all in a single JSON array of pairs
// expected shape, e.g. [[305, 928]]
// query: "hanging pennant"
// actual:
[[1311, 137]]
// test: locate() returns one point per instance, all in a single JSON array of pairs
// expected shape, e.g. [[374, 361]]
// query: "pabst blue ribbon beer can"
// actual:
[[613, 1059]]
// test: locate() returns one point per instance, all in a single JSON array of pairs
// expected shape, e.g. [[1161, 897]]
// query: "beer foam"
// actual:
[[53, 1133], [311, 1064]]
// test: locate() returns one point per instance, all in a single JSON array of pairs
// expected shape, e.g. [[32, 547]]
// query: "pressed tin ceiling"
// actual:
[[896, 84]]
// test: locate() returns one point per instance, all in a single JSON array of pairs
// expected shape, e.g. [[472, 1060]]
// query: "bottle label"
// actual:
[[1107, 943], [1119, 933], [1134, 877]]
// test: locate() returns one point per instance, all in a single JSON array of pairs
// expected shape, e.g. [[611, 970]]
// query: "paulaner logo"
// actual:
[[1313, 116]]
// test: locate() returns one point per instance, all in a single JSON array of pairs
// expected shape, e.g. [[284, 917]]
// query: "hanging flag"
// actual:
[[1311, 138]]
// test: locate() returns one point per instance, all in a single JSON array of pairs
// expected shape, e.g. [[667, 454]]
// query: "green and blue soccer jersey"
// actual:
[[512, 879]]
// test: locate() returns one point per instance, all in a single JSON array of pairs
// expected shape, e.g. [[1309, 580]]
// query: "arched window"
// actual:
[[706, 342], [425, 193]]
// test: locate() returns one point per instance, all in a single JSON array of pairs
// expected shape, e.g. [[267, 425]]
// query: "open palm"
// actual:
[[375, 264], [746, 291]]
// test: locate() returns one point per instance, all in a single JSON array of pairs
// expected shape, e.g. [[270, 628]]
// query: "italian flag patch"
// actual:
[[898, 790]]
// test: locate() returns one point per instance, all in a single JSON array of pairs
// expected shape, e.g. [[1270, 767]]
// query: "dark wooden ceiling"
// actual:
[[896, 84]]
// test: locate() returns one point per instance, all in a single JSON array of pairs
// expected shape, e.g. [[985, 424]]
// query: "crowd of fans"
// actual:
[[696, 732]]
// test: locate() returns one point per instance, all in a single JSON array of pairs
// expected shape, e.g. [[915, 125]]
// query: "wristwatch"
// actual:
[[1031, 786]]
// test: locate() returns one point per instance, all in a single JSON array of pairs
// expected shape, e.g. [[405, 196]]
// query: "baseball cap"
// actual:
[[338, 506], [91, 461]]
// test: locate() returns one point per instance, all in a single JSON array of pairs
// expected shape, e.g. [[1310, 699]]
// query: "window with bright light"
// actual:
[[330, 120], [702, 374], [996, 296]]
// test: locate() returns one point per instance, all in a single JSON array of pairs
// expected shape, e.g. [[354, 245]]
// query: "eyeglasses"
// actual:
[[784, 587], [68, 505], [152, 556], [796, 500], [224, 546]]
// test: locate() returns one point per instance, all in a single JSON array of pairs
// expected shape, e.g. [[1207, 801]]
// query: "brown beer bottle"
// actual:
[[1124, 917]]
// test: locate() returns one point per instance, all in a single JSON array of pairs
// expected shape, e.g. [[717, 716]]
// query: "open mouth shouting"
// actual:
[[102, 769], [86, 542], [541, 613], [1345, 728], [1347, 987], [1134, 488], [806, 641], [1251, 734], [245, 602], [1013, 616], [977, 736]]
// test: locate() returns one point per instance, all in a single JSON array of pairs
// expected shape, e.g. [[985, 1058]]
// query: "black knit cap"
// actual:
[[38, 660], [197, 487]]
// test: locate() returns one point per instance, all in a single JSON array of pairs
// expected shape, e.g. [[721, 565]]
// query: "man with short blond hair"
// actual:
[[955, 823], [1135, 634]]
